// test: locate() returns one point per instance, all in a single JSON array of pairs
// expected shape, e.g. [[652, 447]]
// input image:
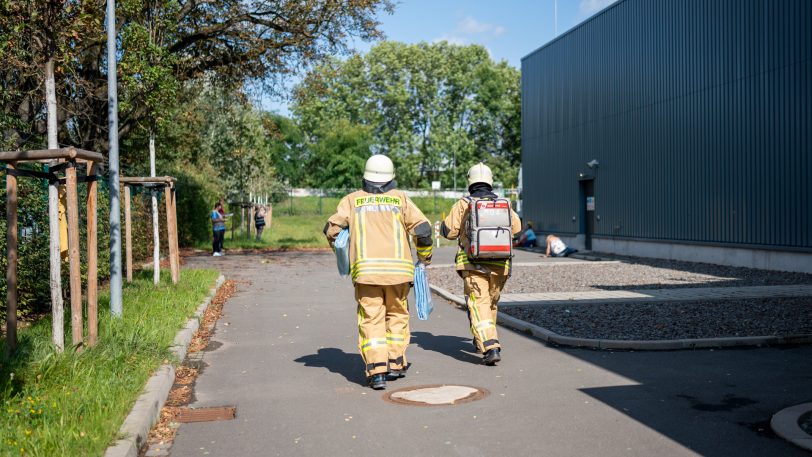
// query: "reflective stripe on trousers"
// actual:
[[482, 293], [383, 326], [462, 259], [382, 267]]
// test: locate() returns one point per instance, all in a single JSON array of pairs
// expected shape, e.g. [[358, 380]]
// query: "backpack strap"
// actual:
[[465, 215]]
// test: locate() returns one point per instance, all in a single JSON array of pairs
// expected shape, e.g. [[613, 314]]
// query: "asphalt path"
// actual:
[[285, 354]]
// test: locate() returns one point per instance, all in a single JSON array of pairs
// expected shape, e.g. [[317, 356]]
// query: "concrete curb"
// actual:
[[537, 264], [642, 345], [147, 408], [785, 423]]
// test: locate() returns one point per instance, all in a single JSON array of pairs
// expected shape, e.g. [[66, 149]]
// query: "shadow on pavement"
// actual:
[[714, 402], [687, 285], [453, 346], [337, 361]]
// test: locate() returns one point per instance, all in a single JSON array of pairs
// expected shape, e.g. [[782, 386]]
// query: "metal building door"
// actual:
[[587, 193]]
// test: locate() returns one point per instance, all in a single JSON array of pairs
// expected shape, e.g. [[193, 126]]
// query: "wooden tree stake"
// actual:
[[11, 268], [250, 221], [128, 233], [175, 230], [92, 258], [73, 255], [171, 233]]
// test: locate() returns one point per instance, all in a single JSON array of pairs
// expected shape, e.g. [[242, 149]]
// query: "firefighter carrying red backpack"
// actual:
[[484, 224]]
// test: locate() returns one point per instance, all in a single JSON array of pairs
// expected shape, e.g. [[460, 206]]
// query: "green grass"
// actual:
[[286, 232], [74, 404], [434, 211], [302, 206], [296, 232]]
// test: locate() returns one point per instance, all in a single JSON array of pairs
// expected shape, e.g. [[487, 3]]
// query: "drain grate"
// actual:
[[436, 395], [218, 413]]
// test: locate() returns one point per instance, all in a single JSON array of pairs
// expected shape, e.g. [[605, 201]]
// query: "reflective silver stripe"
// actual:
[[398, 238], [485, 324], [372, 343], [377, 209]]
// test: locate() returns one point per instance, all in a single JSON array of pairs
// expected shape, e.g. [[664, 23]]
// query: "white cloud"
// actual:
[[470, 25], [593, 6], [451, 39], [467, 27]]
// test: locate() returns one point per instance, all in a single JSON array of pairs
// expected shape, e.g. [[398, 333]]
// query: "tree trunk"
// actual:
[[57, 306], [156, 249]]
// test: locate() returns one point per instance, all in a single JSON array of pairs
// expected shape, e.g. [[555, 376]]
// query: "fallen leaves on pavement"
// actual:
[[182, 392]]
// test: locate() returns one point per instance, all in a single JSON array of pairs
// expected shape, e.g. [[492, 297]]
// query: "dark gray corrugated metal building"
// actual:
[[699, 115]]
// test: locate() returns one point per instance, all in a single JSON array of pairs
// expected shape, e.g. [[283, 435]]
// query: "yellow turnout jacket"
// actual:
[[380, 225]]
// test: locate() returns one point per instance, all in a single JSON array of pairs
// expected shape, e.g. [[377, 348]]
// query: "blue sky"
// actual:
[[509, 29]]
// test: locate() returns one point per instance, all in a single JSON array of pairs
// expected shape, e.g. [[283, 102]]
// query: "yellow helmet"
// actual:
[[480, 173], [379, 168]]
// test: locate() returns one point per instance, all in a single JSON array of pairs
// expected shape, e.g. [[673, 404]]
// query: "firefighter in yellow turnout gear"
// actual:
[[483, 279], [381, 219]]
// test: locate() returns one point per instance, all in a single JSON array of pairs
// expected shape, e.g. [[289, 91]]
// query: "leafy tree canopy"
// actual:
[[164, 43], [435, 109], [339, 156]]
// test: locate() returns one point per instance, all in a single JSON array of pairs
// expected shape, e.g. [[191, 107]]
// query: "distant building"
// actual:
[[677, 129]]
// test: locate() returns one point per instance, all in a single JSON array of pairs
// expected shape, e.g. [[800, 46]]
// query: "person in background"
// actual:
[[557, 248], [528, 237], [218, 222], [222, 209], [259, 220]]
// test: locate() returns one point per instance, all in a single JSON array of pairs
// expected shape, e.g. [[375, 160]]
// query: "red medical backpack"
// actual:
[[489, 228]]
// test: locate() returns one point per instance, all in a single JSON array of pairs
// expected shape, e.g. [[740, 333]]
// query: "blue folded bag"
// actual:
[[342, 248], [422, 293]]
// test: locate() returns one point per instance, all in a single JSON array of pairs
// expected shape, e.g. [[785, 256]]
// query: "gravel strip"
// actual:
[[665, 321], [632, 273]]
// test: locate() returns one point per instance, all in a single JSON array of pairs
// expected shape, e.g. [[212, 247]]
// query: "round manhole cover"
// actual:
[[436, 395]]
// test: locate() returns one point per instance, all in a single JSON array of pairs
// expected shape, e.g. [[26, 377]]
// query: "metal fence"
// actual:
[[306, 202]]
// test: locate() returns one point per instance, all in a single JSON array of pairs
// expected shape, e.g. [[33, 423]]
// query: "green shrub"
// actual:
[[33, 254], [196, 195]]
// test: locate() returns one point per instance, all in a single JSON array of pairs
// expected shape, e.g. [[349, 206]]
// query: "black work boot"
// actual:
[[377, 381], [395, 374], [491, 357]]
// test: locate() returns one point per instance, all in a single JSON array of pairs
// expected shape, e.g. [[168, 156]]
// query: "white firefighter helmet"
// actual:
[[379, 168], [480, 173]]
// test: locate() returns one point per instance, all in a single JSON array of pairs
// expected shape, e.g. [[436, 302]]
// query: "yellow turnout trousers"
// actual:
[[383, 326], [482, 292]]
